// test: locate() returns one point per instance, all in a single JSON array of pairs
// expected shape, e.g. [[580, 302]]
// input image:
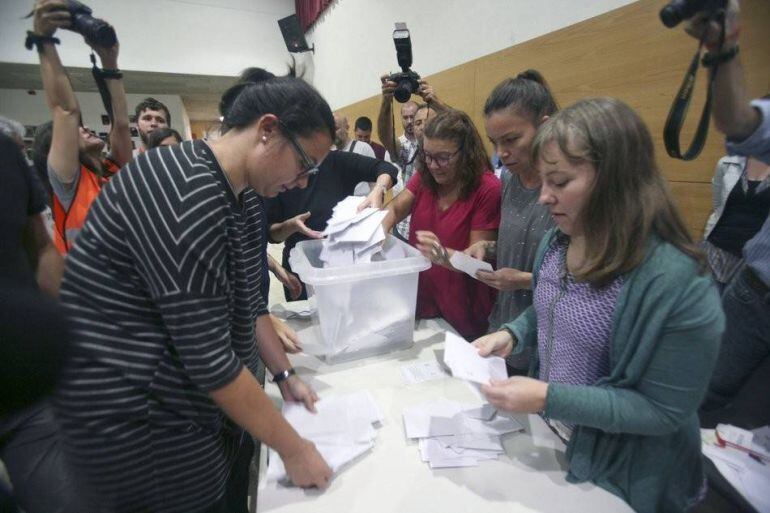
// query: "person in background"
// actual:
[[741, 203], [512, 113], [421, 118], [454, 201], [626, 321], [163, 137], [738, 390], [160, 404], [363, 132], [150, 115], [70, 153], [14, 130], [33, 345], [299, 215]]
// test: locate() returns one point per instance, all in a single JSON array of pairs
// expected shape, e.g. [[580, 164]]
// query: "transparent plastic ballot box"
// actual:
[[361, 309]]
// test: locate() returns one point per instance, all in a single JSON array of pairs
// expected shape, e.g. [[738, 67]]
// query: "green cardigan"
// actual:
[[636, 431]]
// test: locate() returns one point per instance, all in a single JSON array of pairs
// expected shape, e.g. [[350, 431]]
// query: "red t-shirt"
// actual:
[[463, 301]]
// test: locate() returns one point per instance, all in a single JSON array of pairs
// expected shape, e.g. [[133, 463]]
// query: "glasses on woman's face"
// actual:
[[441, 159], [310, 167]]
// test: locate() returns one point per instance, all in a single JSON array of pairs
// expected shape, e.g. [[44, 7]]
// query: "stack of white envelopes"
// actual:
[[342, 430], [352, 236], [452, 434]]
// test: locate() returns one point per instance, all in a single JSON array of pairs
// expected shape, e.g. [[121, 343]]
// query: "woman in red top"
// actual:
[[454, 201]]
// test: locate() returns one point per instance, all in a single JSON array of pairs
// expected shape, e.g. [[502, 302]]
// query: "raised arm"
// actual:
[[385, 129], [50, 15], [120, 134]]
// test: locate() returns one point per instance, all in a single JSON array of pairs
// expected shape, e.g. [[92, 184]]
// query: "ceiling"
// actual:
[[200, 93]]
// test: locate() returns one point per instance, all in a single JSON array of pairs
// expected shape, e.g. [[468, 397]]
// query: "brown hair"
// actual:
[[528, 94], [629, 201], [455, 125]]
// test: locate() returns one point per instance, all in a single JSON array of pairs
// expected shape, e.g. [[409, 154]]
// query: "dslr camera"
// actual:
[[94, 30], [677, 11], [407, 81]]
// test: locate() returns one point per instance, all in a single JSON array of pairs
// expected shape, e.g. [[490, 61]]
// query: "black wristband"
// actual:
[[710, 60], [38, 41], [109, 74], [283, 376]]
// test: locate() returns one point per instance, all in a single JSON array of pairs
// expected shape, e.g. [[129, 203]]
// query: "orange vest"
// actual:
[[67, 223]]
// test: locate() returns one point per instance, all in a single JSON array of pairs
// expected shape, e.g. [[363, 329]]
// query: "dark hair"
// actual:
[[629, 200], [159, 134], [528, 94], [363, 123], [456, 126], [151, 103], [295, 102]]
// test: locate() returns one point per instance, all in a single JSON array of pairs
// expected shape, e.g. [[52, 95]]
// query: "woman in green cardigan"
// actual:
[[625, 324]]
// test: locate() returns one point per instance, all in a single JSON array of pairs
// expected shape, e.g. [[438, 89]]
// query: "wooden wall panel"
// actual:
[[626, 53]]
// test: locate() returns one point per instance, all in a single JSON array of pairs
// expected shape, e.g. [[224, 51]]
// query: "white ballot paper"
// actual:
[[465, 363], [450, 436], [342, 429], [352, 237], [468, 264], [421, 372]]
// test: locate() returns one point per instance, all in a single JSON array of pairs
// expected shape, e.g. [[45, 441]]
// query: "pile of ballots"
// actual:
[[452, 434], [343, 429], [353, 237]]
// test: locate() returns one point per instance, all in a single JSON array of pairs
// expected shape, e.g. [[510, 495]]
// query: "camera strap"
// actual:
[[101, 84], [678, 111]]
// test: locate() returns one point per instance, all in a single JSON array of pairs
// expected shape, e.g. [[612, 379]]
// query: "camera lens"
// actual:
[[403, 91]]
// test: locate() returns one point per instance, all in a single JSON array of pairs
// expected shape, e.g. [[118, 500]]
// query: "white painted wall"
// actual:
[[32, 109], [354, 43], [207, 37]]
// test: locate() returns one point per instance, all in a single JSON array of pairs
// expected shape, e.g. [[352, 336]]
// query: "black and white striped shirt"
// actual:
[[162, 288]]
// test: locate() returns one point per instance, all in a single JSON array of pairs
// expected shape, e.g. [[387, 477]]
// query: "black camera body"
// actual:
[[408, 82], [677, 11], [94, 30]]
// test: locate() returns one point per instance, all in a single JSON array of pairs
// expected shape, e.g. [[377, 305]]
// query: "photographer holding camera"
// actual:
[[69, 152], [737, 392]]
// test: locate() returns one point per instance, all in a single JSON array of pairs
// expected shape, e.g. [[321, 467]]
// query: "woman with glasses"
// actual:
[[454, 201], [159, 403]]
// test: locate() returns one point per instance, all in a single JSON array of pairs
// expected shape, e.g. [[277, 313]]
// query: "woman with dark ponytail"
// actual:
[[169, 325], [512, 114]]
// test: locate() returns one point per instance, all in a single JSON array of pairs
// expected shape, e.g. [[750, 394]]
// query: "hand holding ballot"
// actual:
[[517, 394]]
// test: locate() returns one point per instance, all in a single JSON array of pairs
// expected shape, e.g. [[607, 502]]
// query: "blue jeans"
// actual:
[[738, 390]]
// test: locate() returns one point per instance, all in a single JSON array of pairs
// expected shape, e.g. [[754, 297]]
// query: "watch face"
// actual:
[[400, 34]]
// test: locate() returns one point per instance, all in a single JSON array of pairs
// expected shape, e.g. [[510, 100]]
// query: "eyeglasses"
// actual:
[[311, 168], [441, 159]]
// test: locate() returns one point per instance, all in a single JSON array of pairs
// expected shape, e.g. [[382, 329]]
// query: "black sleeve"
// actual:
[[355, 168]]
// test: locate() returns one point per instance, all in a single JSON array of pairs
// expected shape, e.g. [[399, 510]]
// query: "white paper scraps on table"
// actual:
[[421, 372], [449, 437], [465, 363], [485, 412], [342, 430], [468, 264], [749, 477]]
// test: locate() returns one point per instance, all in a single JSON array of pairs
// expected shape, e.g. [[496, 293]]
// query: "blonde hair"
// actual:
[[629, 201]]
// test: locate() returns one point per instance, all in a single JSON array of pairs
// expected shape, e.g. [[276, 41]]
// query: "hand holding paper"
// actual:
[[464, 361], [468, 264]]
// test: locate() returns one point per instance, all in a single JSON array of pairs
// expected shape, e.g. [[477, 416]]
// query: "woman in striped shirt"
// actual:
[[163, 291]]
